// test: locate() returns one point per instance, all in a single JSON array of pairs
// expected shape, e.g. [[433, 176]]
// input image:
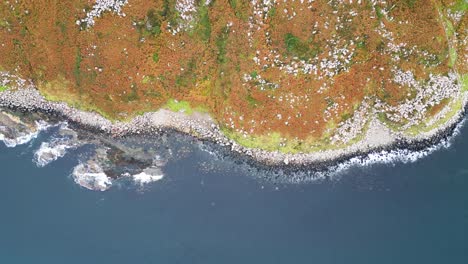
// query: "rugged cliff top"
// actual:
[[294, 76]]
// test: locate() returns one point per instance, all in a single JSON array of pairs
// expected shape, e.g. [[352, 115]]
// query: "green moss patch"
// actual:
[[298, 48], [277, 142], [3, 88], [203, 27], [455, 106], [183, 106], [464, 82]]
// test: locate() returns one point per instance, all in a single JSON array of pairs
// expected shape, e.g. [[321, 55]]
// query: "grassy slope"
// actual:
[[205, 72], [455, 104]]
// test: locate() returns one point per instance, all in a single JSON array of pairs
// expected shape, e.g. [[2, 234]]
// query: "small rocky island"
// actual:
[[299, 82]]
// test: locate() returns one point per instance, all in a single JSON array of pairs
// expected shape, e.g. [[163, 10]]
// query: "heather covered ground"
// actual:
[[295, 76]]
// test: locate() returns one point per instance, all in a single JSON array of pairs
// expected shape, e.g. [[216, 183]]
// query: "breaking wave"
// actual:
[[23, 137], [148, 176], [49, 152], [384, 157], [115, 159], [397, 156], [55, 148], [91, 176]]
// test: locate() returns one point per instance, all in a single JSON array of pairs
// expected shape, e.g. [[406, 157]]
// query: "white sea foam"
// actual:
[[91, 176], [49, 152], [151, 174], [147, 176], [396, 156], [386, 157], [389, 157], [24, 138]]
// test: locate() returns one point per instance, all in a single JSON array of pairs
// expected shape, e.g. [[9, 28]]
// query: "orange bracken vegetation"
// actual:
[[124, 65]]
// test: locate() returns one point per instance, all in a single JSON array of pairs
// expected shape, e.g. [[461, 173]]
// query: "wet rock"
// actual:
[[15, 130], [91, 176]]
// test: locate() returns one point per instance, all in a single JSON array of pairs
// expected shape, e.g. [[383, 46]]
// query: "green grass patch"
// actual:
[[277, 142], [133, 94], [464, 82], [3, 88], [410, 3], [382, 117], [434, 61], [150, 25], [203, 27], [169, 13], [152, 93], [379, 13], [148, 79], [183, 106], [153, 22], [240, 8], [188, 77], [422, 127], [452, 57], [449, 29], [77, 67], [56, 91], [361, 44], [298, 48], [270, 142], [221, 43], [179, 106], [272, 12], [4, 24], [62, 25], [460, 5], [252, 101], [156, 57]]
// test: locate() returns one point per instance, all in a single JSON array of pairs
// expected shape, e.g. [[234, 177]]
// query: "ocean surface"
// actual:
[[210, 210]]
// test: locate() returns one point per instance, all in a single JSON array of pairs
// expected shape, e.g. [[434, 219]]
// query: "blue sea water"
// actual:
[[394, 213]]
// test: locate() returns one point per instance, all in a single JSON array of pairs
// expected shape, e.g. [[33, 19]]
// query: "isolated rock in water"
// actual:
[[50, 151], [91, 176]]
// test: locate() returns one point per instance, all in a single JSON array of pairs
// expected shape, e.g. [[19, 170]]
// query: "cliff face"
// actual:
[[305, 74]]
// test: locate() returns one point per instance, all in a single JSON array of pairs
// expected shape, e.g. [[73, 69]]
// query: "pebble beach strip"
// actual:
[[202, 126]]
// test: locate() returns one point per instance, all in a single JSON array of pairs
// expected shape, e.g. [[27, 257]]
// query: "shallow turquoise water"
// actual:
[[413, 213]]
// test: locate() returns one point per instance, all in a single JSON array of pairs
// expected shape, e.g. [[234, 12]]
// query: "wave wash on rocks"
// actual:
[[202, 126], [284, 82]]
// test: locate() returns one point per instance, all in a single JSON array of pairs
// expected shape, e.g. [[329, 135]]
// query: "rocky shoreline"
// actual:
[[377, 138]]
